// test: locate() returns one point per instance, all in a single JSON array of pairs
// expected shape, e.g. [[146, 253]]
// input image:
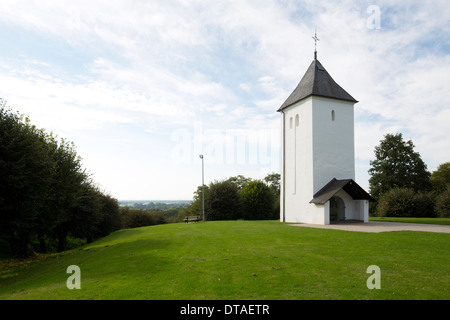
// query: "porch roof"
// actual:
[[334, 186]]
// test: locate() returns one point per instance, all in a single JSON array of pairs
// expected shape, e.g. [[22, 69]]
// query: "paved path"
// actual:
[[377, 227]]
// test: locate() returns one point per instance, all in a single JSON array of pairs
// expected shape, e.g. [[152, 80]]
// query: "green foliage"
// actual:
[[273, 181], [258, 201], [238, 198], [239, 181], [443, 204], [404, 202], [136, 218], [94, 214], [196, 206], [401, 183], [440, 179], [222, 201], [25, 172], [45, 193], [397, 165], [396, 203], [425, 205]]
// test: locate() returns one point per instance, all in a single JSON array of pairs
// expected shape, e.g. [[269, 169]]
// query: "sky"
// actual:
[[144, 87]]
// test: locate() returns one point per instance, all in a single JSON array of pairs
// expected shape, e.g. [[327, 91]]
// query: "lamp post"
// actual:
[[203, 188]]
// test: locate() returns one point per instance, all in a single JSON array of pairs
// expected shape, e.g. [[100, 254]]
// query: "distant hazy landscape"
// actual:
[[155, 204]]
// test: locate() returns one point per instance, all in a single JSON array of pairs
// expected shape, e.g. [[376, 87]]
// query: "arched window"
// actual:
[[333, 115], [290, 121], [297, 120]]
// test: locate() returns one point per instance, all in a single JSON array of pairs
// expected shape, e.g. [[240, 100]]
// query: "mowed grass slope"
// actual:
[[241, 260]]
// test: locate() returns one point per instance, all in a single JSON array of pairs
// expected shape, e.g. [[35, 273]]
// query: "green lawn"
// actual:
[[240, 260]]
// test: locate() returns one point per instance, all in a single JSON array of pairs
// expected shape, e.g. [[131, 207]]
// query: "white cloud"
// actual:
[[144, 69]]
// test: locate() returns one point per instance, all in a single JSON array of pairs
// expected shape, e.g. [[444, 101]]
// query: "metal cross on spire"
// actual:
[[315, 44]]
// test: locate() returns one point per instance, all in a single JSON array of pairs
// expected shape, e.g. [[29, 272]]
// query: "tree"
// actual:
[[273, 181], [109, 215], [397, 165], [258, 201], [85, 213], [195, 208], [44, 191], [25, 174], [240, 181], [94, 214], [440, 179], [442, 205], [69, 180], [222, 202]]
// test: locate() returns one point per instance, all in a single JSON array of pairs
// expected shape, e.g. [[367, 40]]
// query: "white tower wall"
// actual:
[[318, 146], [333, 141]]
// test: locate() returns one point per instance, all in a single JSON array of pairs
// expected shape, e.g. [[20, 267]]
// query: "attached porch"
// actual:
[[344, 201]]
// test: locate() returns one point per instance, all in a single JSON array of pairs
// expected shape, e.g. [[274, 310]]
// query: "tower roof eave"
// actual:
[[317, 82]]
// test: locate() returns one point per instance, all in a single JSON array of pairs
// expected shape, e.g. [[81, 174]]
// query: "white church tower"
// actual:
[[318, 153]]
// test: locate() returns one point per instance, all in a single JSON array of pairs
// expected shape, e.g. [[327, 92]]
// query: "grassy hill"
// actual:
[[240, 260]]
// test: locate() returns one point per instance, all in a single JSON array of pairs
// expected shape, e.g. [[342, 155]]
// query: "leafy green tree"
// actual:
[[25, 174], [86, 213], [397, 165], [442, 205], [222, 202], [195, 208], [239, 181], [94, 214], [44, 191], [258, 201], [273, 181], [110, 215], [440, 179], [69, 178]]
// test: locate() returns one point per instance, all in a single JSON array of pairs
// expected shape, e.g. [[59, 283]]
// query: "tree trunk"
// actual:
[[42, 245], [62, 242], [24, 248], [12, 244]]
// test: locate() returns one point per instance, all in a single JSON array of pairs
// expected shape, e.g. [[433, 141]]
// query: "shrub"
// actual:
[[135, 218], [222, 201], [424, 207], [404, 202], [258, 201], [442, 205], [397, 202]]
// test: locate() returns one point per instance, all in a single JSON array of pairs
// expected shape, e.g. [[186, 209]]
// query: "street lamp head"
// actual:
[[201, 156]]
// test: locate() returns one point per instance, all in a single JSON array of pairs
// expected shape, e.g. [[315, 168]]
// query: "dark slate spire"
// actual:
[[317, 82]]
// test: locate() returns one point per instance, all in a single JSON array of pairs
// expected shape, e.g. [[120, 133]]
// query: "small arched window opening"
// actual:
[[290, 123], [297, 120], [333, 115]]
